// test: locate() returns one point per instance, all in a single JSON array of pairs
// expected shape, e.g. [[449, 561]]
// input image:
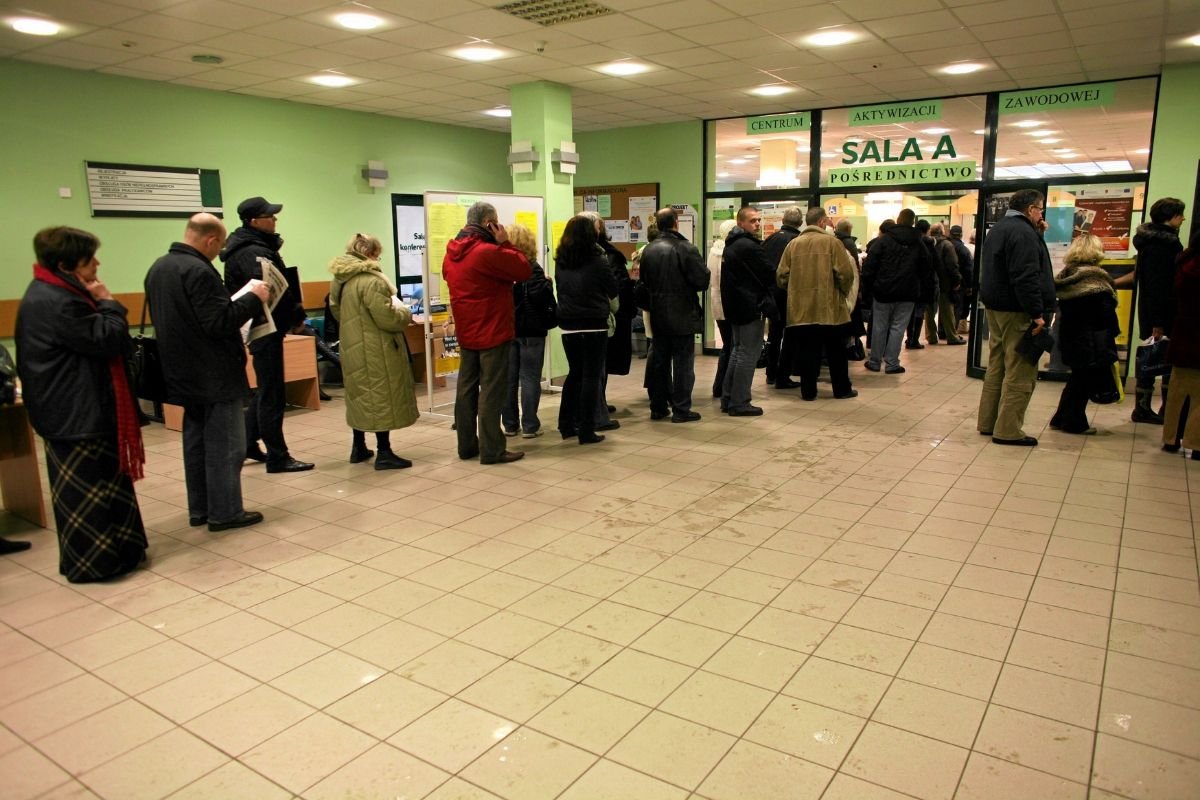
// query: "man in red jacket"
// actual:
[[480, 268]]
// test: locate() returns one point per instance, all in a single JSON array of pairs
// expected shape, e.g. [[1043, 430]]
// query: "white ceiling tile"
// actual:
[[95, 56], [689, 57], [485, 23], [800, 23], [699, 12], [118, 40], [1001, 11], [284, 88], [327, 17], [733, 31], [178, 30], [1026, 44], [929, 40], [271, 69], [650, 44], [1142, 47], [299, 32], [367, 48], [603, 29], [286, 6], [418, 62], [319, 58], [1019, 29], [905, 25], [424, 36], [873, 9], [379, 71], [761, 47], [552, 41], [219, 12], [92, 12], [246, 43], [162, 66], [1038, 60], [228, 77]]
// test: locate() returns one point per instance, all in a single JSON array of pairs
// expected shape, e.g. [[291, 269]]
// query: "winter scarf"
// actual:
[[1079, 280]]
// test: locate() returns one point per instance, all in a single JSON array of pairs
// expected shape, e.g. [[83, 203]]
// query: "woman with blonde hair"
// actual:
[[375, 363], [1087, 304], [536, 314]]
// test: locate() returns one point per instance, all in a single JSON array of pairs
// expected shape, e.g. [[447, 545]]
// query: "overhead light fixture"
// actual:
[[357, 21], [1193, 40], [736, 161], [478, 52], [1028, 123], [1040, 133], [35, 26], [722, 174], [499, 111], [936, 131], [980, 131], [831, 38], [623, 69], [1064, 150], [772, 90], [964, 68], [333, 80], [1142, 151], [1047, 141], [830, 155]]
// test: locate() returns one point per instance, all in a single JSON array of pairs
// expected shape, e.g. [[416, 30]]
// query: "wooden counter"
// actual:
[[20, 475]]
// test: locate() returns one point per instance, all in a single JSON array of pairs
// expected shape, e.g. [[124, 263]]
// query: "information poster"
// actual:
[[527, 219], [445, 221], [604, 205], [410, 243], [618, 230], [641, 214], [1108, 218]]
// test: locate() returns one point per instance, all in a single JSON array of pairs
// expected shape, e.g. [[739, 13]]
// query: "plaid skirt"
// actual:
[[100, 531]]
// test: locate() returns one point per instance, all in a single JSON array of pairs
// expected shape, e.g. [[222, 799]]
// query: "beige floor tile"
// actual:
[[672, 749], [589, 718], [909, 591], [607, 779], [1152, 678], [553, 605], [987, 778], [1156, 723], [640, 677], [59, 706], [382, 771], [250, 719], [103, 736], [384, 706], [275, 655], [1162, 613], [393, 644], [529, 764], [952, 670], [931, 712], [754, 662], [229, 634], [845, 787], [1057, 656], [1102, 576], [295, 606], [450, 667], [1144, 773], [155, 769], [569, 654], [812, 732], [1071, 701], [1023, 561], [754, 587], [968, 635], [30, 774], [233, 780], [515, 691], [113, 643], [195, 692], [327, 678], [456, 789], [982, 606], [839, 686], [861, 648], [717, 702], [749, 770], [1088, 599], [1063, 623], [307, 752], [994, 581], [1151, 641], [842, 577], [884, 616], [1162, 587], [1032, 741], [450, 614], [680, 641], [452, 735], [906, 762], [785, 629], [506, 633], [613, 622]]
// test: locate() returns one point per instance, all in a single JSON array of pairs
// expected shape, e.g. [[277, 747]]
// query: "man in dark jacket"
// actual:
[[891, 278], [1018, 292], [672, 272], [1158, 245], [204, 364], [929, 289], [480, 267], [250, 247], [746, 279], [966, 270], [939, 314], [780, 349]]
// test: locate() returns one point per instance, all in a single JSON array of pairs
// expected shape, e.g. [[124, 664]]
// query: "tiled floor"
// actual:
[[845, 600]]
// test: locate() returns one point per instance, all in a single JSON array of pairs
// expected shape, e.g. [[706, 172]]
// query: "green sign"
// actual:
[[1086, 96], [890, 113], [779, 123], [889, 151], [917, 172]]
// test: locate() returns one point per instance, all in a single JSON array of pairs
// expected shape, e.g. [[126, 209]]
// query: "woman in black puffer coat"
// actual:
[[1087, 305]]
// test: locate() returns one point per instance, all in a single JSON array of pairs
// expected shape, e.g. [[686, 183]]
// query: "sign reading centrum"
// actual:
[[778, 123]]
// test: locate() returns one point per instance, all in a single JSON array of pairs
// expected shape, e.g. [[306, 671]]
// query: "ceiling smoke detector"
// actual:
[[207, 58], [554, 12]]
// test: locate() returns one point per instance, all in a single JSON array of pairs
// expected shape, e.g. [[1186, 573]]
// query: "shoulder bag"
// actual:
[[145, 365]]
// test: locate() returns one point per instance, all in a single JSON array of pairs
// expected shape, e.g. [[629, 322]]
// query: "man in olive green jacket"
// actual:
[[822, 286]]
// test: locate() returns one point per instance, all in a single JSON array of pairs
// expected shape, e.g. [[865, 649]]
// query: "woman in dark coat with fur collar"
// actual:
[[1087, 305], [1182, 417]]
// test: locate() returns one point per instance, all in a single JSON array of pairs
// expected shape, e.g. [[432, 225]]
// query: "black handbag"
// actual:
[[855, 351], [145, 365], [1152, 359]]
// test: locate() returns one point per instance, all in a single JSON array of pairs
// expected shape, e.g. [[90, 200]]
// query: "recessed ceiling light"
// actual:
[[1142, 151], [1000, 160], [831, 38], [736, 161], [1047, 141], [936, 131], [830, 155], [1040, 133], [477, 52], [1064, 150], [964, 68], [1193, 40], [333, 80], [1028, 123], [499, 111], [356, 21], [34, 26], [980, 132], [722, 174], [772, 90], [623, 68]]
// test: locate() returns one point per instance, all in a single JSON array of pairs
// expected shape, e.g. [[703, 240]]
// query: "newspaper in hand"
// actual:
[[258, 327]]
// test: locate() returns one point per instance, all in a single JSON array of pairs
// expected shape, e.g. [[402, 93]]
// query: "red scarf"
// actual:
[[129, 429]]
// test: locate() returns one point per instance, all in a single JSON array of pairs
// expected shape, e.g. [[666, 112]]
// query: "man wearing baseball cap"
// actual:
[[245, 252]]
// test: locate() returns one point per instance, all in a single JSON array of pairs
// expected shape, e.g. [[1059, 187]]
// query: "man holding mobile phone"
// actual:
[[480, 268]]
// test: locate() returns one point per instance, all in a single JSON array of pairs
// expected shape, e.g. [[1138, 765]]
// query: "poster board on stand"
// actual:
[[445, 215], [627, 210]]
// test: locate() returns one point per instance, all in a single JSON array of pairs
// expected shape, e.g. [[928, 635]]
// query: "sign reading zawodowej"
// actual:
[[778, 123], [1089, 95], [876, 163], [135, 190]]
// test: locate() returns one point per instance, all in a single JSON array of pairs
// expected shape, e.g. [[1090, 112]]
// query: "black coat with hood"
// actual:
[[243, 249], [746, 277], [1087, 305], [618, 356], [898, 266], [1017, 274], [536, 308], [674, 272], [1157, 248], [585, 289]]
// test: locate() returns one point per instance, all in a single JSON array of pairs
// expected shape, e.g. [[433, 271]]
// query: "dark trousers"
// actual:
[[915, 322], [479, 400], [264, 416], [585, 367], [811, 340], [672, 362], [214, 447], [1071, 415], [726, 351]]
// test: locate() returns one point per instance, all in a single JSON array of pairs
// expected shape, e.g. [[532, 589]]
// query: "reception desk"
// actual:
[[20, 475], [299, 377]]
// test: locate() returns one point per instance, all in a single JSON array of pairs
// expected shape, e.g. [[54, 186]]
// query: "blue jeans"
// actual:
[[214, 447], [673, 373], [889, 321], [525, 371], [747, 344]]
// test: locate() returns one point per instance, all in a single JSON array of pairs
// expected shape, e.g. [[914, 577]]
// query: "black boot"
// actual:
[[1142, 412], [389, 460], [360, 453]]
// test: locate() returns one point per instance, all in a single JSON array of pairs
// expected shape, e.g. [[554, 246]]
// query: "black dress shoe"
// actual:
[[7, 546], [568, 434], [507, 457], [686, 416], [657, 415], [746, 411], [592, 439], [870, 366], [291, 465], [360, 453], [915, 346], [256, 454], [1027, 441], [241, 521], [196, 522], [324, 397], [389, 460], [894, 370], [611, 425], [956, 341], [847, 395], [787, 383], [1171, 448], [468, 456], [612, 409]]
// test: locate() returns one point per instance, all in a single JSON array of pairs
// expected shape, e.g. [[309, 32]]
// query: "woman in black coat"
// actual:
[[1087, 305]]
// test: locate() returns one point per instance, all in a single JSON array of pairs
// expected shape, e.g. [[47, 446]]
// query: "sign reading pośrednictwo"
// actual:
[[138, 190], [1088, 95]]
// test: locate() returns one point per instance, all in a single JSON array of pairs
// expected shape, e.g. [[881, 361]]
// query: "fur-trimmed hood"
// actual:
[[1154, 232], [1079, 280]]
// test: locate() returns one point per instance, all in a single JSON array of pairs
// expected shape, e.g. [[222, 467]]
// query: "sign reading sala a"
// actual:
[[778, 123], [892, 162]]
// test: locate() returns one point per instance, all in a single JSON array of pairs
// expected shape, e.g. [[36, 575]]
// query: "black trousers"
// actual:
[[264, 416], [915, 323], [672, 362], [479, 401], [726, 350], [585, 367], [811, 341]]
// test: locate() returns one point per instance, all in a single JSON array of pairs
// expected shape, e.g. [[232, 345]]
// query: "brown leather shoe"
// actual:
[[507, 457]]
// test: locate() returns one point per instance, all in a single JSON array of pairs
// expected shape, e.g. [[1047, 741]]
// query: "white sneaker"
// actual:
[[533, 435]]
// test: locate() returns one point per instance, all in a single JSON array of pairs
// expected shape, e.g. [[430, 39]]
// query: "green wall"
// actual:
[[1175, 152], [307, 157]]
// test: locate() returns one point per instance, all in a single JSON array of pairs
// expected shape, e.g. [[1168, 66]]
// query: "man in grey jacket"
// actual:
[[1018, 291]]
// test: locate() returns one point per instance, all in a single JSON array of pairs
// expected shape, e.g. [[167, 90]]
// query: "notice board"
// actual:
[[627, 210]]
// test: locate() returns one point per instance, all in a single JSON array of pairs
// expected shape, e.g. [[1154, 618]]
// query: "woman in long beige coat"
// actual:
[[375, 366]]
